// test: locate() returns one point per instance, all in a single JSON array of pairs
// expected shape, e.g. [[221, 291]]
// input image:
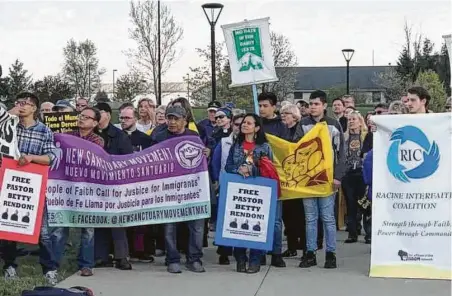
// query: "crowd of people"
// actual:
[[234, 142]]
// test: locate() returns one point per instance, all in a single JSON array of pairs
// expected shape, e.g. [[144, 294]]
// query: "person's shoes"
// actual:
[[253, 268], [241, 267], [174, 268], [195, 267], [264, 260], [368, 241], [224, 260], [277, 261], [145, 258], [85, 271], [351, 240], [10, 273], [289, 253], [104, 264], [308, 260], [159, 253], [123, 264], [330, 260], [51, 277]]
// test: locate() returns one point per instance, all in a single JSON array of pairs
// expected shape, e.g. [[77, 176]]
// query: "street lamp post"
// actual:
[[114, 82], [213, 15], [348, 54]]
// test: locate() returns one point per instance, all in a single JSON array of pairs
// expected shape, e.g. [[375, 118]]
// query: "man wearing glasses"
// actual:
[[116, 143], [36, 145]]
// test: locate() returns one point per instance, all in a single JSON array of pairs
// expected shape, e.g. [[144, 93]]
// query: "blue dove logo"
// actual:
[[429, 151]]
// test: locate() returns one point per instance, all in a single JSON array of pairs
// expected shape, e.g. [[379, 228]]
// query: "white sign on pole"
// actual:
[[448, 40], [250, 52], [411, 213]]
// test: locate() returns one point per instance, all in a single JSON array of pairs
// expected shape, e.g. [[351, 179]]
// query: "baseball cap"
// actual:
[[176, 111], [214, 105], [103, 107], [62, 104]]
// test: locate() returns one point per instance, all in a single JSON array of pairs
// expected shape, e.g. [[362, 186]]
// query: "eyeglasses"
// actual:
[[85, 117], [124, 118], [220, 117], [23, 103]]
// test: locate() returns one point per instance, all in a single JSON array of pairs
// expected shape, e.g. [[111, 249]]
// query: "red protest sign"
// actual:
[[22, 198]]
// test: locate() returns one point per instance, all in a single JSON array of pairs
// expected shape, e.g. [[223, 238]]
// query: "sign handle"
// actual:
[[256, 104]]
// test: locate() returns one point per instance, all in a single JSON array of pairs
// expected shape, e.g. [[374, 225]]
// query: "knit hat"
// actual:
[[224, 111]]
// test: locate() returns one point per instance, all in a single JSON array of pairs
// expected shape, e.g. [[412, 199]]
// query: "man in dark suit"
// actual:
[[116, 143]]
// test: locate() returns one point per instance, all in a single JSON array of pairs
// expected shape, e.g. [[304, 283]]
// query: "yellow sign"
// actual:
[[305, 168]]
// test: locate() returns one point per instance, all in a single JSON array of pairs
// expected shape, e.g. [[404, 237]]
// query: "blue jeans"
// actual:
[[47, 257], [255, 256], [195, 241], [86, 250], [277, 235], [312, 207]]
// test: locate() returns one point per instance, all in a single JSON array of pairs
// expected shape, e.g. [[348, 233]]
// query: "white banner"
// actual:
[[411, 213], [250, 52], [448, 40]]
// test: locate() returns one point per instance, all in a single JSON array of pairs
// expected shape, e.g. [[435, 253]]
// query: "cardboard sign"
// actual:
[[22, 198], [61, 122]]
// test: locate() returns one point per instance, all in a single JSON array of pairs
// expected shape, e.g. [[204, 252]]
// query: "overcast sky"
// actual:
[[36, 31]]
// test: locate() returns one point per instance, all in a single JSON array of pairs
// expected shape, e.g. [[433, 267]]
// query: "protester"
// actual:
[[46, 107], [292, 210], [404, 100], [381, 109], [339, 113], [367, 176], [116, 143], [88, 121], [324, 205], [210, 122], [352, 182], [447, 107], [348, 110], [397, 107], [418, 100], [223, 127], [80, 104], [303, 106], [251, 144], [160, 115], [217, 165], [63, 106], [349, 101], [272, 124], [128, 121], [146, 111], [176, 117], [36, 145]]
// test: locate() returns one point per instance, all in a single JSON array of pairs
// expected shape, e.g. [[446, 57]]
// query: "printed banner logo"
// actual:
[[405, 256], [189, 154], [248, 49], [423, 157]]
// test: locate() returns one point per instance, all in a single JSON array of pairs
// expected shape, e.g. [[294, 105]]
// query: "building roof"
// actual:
[[361, 77]]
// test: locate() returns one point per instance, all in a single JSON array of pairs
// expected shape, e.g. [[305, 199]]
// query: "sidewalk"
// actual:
[[351, 278]]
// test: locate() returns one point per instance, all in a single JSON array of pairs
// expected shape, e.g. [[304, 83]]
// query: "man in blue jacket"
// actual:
[[273, 125]]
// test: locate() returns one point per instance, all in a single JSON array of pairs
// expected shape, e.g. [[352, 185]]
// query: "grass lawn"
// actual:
[[30, 272]]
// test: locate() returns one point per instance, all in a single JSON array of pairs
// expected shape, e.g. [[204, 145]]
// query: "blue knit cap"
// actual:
[[225, 111]]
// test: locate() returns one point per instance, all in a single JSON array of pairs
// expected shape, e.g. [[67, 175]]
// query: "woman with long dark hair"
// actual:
[[250, 145]]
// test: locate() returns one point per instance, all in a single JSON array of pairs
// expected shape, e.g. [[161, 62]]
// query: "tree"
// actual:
[[432, 83], [285, 60], [81, 67], [200, 80], [130, 85], [101, 97], [144, 57], [19, 80], [394, 86], [52, 88]]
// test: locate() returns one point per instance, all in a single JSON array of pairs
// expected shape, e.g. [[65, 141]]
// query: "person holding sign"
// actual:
[[176, 117], [323, 205], [88, 120], [250, 146], [36, 146]]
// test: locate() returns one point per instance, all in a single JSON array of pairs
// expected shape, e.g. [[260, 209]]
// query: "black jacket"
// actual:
[[116, 141], [139, 140], [337, 140], [275, 127], [165, 134]]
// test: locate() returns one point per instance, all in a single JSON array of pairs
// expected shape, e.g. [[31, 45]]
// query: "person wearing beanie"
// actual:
[[223, 128]]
